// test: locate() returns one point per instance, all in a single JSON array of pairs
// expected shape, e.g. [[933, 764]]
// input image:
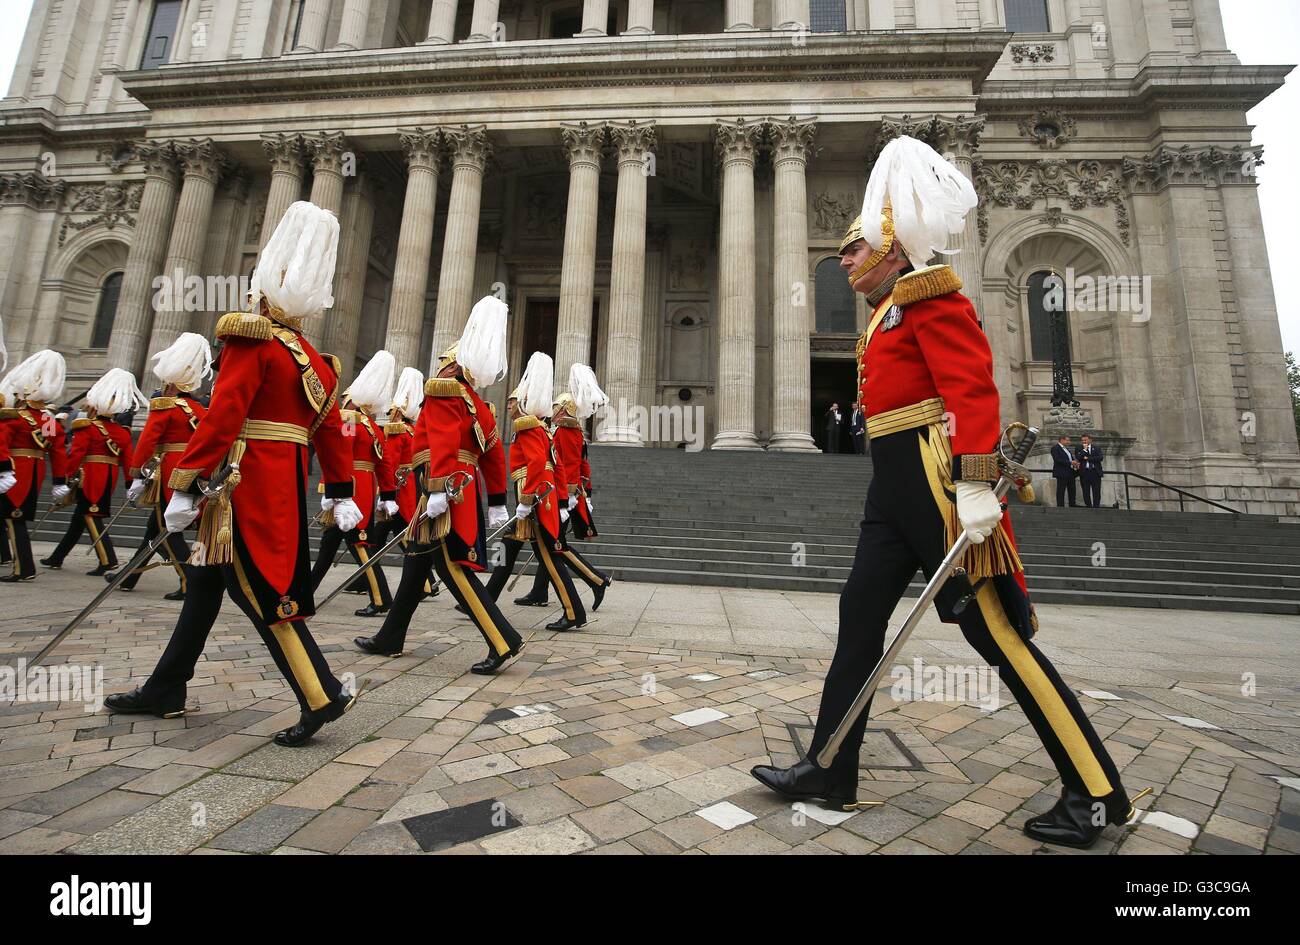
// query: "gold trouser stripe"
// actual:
[[581, 565], [29, 454], [1043, 693], [363, 465], [242, 578], [300, 664], [94, 535], [905, 418], [556, 581], [476, 608], [13, 544], [106, 460], [375, 597], [274, 430]]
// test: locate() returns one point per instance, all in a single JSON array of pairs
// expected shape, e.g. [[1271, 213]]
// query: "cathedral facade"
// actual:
[[659, 187]]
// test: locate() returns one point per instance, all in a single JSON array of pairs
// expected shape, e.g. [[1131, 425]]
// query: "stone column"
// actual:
[[134, 320], [286, 155], [740, 15], [958, 140], [736, 147], [483, 23], [330, 153], [352, 27], [790, 14], [635, 141], [640, 17], [312, 26], [414, 242], [595, 15], [583, 144], [442, 22], [469, 154], [344, 321], [201, 163], [791, 375]]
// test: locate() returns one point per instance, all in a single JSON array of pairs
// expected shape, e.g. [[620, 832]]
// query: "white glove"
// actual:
[[60, 491], [564, 516], [389, 507], [7, 481], [326, 504], [181, 511], [133, 492], [347, 515], [590, 506], [978, 509], [523, 511], [437, 505], [573, 502], [497, 516]]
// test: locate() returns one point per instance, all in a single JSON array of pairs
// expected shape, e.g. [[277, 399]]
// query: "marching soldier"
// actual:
[[173, 418], [372, 479], [926, 381], [534, 466], [570, 410], [274, 395], [100, 448], [456, 440], [29, 434]]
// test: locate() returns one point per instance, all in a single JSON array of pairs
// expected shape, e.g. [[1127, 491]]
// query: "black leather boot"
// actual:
[[177, 594], [372, 610], [52, 564], [311, 721], [528, 600], [493, 662], [135, 703], [102, 569], [372, 645], [599, 594], [805, 782], [15, 578], [1078, 819], [564, 623]]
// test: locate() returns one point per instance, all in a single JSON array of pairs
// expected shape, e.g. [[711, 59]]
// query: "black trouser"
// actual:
[[1091, 489], [551, 569], [381, 535], [15, 534], [173, 549], [469, 593], [330, 540], [203, 590], [902, 528], [80, 522], [584, 569], [1064, 487]]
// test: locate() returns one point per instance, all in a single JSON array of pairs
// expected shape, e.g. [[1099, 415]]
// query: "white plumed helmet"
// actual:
[[373, 387], [295, 272], [409, 396], [114, 393], [185, 362], [38, 377], [587, 395], [926, 195], [481, 351], [535, 387]]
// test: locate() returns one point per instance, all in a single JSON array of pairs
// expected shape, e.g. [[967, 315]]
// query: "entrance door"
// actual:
[[833, 381], [541, 321]]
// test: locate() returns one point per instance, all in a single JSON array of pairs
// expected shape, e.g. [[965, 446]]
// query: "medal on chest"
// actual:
[[893, 318]]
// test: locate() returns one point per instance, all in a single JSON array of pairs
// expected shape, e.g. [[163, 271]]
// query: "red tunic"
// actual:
[[399, 442], [372, 464], [24, 432], [99, 449], [171, 423], [260, 380], [571, 448], [531, 467], [456, 431]]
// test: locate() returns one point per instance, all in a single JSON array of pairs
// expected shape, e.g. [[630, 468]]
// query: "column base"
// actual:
[[740, 28], [434, 41], [342, 47], [735, 440], [619, 436], [637, 31], [591, 33], [792, 443]]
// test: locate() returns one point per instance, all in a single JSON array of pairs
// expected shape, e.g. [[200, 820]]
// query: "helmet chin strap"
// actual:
[[886, 244]]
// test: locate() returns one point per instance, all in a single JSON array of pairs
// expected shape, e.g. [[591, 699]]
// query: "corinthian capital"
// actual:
[[284, 151], [423, 146], [31, 189], [158, 158], [328, 150], [791, 139], [583, 142], [958, 135], [634, 139], [199, 157], [468, 145], [737, 140]]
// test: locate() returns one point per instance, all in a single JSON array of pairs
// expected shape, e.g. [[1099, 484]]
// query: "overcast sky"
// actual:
[[1259, 31]]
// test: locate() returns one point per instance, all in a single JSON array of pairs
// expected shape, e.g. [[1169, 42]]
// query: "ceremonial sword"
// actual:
[[210, 490], [72, 484], [453, 494], [147, 473], [1013, 473], [548, 488]]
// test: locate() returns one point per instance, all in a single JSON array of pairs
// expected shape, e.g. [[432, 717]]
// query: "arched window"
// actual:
[[106, 310], [836, 307], [1027, 16], [1040, 315]]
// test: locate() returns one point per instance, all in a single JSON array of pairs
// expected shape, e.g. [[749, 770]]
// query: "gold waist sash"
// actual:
[[106, 460], [172, 447], [30, 454], [905, 418], [275, 431], [363, 465]]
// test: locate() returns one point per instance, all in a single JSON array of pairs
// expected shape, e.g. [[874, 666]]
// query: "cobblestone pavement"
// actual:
[[634, 735]]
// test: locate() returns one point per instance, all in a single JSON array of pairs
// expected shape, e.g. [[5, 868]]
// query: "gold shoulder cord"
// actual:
[[37, 437], [113, 448], [188, 411]]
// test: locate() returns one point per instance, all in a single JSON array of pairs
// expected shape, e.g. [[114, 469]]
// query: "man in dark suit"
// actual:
[[1088, 458], [1064, 469], [834, 421], [858, 427]]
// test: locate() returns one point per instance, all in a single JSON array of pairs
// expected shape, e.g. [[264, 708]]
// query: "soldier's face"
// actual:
[[449, 370], [857, 253]]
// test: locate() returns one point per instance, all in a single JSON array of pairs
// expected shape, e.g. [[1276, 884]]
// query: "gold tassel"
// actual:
[[216, 526], [1026, 493]]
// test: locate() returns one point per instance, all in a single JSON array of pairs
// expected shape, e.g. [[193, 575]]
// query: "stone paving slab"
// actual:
[[636, 735]]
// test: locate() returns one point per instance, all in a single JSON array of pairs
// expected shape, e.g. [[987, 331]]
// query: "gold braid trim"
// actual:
[[527, 423], [9, 413], [182, 479], [568, 422], [926, 283], [162, 403], [245, 325], [396, 428], [980, 467], [442, 387], [81, 423]]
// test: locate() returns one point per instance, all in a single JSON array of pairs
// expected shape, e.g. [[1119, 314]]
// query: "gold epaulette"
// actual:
[[9, 413], [527, 423], [245, 325], [334, 362], [395, 428], [162, 403], [926, 283], [568, 422], [81, 423], [442, 387], [350, 416]]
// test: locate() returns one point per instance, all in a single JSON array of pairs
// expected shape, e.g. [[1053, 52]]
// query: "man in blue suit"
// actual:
[[1064, 470]]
